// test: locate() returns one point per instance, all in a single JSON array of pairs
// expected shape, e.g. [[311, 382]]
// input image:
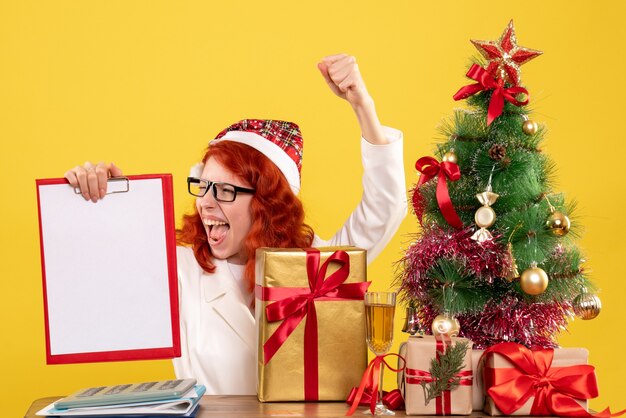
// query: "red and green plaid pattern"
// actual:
[[284, 134]]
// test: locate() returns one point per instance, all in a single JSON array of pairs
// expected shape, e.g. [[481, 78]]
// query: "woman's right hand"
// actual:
[[92, 179]]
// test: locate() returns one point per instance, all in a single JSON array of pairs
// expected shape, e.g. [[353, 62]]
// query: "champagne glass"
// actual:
[[379, 311]]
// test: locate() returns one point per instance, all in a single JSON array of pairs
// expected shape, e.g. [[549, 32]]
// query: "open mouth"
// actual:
[[217, 230]]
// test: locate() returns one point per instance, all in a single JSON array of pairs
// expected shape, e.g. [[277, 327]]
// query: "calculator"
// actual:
[[127, 393]]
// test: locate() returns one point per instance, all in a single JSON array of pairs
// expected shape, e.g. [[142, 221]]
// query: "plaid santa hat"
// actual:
[[278, 140]]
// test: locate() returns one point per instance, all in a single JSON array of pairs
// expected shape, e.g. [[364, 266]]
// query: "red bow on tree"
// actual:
[[430, 167], [486, 81]]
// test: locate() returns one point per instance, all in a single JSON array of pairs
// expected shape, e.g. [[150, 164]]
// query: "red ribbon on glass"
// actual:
[[555, 389], [486, 81], [443, 402], [430, 167], [392, 400], [292, 305], [369, 383]]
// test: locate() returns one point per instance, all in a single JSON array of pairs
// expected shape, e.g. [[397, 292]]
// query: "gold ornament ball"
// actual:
[[446, 325], [587, 306], [450, 157], [534, 281], [530, 127], [558, 223]]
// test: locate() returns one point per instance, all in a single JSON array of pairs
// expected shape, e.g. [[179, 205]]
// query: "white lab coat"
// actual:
[[218, 346]]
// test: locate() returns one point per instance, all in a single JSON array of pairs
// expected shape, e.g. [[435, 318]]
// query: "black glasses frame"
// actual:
[[211, 185]]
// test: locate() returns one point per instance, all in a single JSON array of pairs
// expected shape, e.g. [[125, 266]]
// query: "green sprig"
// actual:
[[444, 371]]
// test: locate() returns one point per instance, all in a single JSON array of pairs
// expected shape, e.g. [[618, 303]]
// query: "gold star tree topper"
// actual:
[[505, 56]]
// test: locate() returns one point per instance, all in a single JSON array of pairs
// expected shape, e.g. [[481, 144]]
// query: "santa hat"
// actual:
[[278, 140]]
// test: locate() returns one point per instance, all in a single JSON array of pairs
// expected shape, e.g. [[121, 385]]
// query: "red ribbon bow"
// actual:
[[555, 389], [430, 167], [293, 304], [369, 383], [486, 81], [392, 400]]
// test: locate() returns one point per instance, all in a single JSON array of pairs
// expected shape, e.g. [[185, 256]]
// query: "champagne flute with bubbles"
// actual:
[[379, 311]]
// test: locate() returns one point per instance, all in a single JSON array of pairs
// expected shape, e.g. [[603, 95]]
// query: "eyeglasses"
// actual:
[[222, 192]]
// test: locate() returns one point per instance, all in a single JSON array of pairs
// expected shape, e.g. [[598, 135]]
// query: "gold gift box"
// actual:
[[342, 350]]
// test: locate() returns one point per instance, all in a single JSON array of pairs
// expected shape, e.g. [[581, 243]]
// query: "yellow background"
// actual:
[[147, 83]]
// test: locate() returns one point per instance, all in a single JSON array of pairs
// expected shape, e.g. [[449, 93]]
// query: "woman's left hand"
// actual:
[[342, 75], [341, 72]]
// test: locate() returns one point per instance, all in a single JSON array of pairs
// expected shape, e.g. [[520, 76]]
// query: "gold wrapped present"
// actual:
[[311, 322]]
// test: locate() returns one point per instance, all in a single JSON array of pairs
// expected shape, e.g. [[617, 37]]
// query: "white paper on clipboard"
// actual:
[[109, 272]]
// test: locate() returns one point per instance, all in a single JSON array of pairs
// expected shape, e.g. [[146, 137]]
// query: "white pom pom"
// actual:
[[196, 170]]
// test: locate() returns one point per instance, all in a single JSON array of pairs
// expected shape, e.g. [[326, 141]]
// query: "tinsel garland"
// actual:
[[531, 324], [534, 325], [509, 318], [487, 261]]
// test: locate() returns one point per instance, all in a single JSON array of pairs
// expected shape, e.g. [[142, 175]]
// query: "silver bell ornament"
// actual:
[[411, 321]]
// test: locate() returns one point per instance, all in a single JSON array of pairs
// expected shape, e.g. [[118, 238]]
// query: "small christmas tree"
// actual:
[[495, 260]]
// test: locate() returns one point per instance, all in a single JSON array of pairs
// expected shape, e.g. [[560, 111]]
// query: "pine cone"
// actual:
[[497, 152]]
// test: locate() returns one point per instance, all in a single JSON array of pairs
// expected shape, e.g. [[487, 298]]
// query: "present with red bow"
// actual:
[[311, 322], [419, 377], [558, 382]]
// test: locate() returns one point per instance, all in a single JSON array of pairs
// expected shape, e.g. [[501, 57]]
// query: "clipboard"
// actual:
[[109, 275]]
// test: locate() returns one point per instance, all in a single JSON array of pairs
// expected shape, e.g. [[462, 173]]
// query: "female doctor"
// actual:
[[246, 197]]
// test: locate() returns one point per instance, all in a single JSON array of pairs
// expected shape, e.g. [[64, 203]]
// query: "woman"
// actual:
[[245, 192]]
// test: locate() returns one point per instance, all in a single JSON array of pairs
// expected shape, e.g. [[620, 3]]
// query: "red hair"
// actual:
[[277, 213]]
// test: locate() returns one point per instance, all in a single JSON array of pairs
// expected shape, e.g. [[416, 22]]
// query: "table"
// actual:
[[250, 407]]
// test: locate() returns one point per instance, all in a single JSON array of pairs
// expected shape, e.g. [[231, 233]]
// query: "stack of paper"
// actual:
[[186, 406]]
